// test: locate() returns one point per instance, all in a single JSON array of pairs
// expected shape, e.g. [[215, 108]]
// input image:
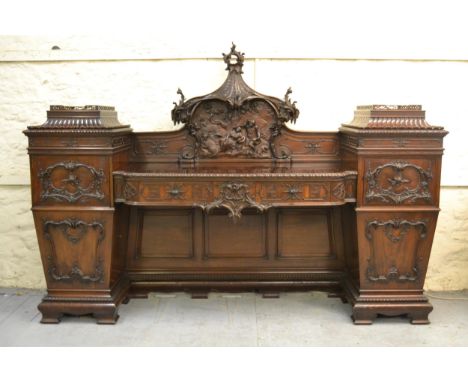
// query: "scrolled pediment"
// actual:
[[234, 120]]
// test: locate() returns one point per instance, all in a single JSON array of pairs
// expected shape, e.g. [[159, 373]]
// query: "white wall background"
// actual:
[[335, 56]]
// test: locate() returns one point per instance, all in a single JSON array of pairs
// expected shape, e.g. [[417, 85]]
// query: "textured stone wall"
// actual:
[[141, 83]]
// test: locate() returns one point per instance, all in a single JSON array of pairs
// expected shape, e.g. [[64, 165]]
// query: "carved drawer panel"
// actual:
[[234, 194], [399, 182], [70, 181]]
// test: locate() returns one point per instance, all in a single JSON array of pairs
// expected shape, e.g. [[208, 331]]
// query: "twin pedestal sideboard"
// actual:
[[235, 201]]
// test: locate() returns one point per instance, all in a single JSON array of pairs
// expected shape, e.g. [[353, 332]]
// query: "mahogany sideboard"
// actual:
[[235, 200]]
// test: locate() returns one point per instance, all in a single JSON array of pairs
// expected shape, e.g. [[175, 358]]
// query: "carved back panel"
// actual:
[[235, 120], [220, 130]]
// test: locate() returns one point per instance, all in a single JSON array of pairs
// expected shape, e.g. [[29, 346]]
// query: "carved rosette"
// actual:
[[234, 196], [391, 183], [396, 231], [74, 231], [81, 182], [234, 120]]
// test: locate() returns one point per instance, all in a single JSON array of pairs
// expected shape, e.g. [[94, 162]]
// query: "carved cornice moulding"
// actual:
[[404, 117], [81, 117]]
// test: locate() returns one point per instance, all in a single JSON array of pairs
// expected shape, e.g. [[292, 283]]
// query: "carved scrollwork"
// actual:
[[150, 147], [234, 196], [75, 186], [74, 230], [129, 191], [397, 190], [280, 151], [402, 225], [339, 191], [234, 64], [119, 141], [70, 142], [395, 230], [288, 110], [234, 120], [188, 152]]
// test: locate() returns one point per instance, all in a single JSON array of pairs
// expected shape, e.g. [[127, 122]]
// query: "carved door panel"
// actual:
[[75, 248], [396, 249]]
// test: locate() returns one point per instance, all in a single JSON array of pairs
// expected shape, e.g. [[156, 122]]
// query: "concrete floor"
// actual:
[[296, 319]]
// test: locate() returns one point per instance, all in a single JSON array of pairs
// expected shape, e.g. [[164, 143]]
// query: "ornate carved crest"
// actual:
[[234, 120], [235, 197]]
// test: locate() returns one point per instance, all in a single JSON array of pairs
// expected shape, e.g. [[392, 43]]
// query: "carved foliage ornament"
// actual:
[[339, 191], [396, 187], [395, 230], [80, 183], [74, 230], [235, 197], [234, 120], [129, 191]]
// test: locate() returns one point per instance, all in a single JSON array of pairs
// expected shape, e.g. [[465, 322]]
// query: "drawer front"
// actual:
[[70, 180], [236, 194], [394, 181]]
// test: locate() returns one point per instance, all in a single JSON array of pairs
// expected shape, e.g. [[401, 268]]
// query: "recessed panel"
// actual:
[[304, 233], [166, 234], [226, 238]]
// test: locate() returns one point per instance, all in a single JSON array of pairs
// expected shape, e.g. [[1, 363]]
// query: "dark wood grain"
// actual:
[[234, 200]]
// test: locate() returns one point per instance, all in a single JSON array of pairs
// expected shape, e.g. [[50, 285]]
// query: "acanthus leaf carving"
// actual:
[[339, 191], [129, 191], [149, 147], [234, 196]]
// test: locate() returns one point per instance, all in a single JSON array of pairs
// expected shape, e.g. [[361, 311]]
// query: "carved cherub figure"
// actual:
[[210, 145]]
